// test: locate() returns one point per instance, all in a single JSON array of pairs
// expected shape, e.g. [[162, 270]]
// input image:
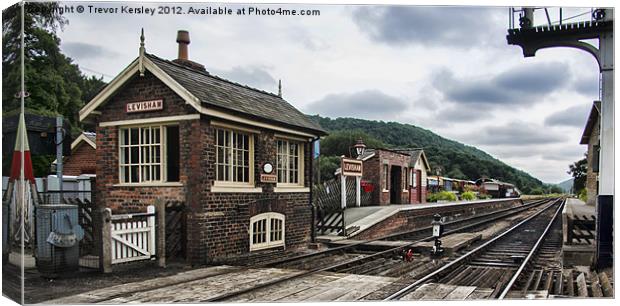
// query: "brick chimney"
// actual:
[[183, 58], [183, 40]]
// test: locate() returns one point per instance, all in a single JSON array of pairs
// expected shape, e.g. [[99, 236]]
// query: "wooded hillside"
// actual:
[[447, 157]]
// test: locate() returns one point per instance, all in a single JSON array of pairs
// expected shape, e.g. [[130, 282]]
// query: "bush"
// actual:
[[483, 196], [442, 196], [468, 196], [583, 195]]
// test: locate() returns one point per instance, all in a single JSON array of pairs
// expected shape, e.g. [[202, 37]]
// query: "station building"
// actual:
[[82, 159], [591, 137], [238, 158], [398, 176]]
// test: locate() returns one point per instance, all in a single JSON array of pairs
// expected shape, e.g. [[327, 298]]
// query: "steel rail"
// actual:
[[227, 295], [511, 210], [404, 291], [530, 255]]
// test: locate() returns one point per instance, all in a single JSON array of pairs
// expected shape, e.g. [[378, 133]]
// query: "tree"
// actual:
[[328, 166], [579, 170], [340, 143], [54, 82]]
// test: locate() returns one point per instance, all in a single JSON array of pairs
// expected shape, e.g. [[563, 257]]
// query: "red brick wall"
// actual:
[[418, 218], [227, 222], [374, 172], [81, 161], [217, 223]]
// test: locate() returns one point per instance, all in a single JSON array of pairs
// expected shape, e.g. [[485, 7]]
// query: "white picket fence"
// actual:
[[133, 236]]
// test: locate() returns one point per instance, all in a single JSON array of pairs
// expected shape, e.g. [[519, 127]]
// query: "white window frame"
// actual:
[[230, 168], [405, 178], [386, 177], [268, 243], [300, 163], [414, 178], [163, 162]]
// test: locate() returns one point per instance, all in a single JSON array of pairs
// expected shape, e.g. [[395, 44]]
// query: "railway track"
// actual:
[[339, 253], [496, 264], [367, 262]]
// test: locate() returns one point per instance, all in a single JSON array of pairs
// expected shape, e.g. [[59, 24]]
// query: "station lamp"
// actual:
[[360, 147]]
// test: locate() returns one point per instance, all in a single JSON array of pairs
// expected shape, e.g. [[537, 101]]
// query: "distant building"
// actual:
[[83, 156], [591, 137], [398, 176], [40, 130], [498, 189]]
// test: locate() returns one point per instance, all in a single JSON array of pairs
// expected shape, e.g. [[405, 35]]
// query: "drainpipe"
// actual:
[[312, 208]]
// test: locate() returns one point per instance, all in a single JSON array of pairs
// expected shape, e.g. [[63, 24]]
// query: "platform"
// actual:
[[578, 233], [369, 216]]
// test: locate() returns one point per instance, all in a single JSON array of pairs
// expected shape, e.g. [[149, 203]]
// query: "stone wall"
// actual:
[[591, 176]]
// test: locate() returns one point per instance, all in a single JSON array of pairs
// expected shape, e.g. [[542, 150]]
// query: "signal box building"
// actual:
[[239, 158], [398, 176]]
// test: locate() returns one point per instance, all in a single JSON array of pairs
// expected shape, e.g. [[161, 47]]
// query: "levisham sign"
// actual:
[[144, 106], [351, 167]]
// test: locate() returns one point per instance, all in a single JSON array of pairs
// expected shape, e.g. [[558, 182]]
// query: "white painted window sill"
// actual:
[[291, 189], [162, 184], [236, 189], [258, 247]]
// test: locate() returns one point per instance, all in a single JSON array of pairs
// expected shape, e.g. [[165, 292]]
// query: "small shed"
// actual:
[[398, 175], [82, 159]]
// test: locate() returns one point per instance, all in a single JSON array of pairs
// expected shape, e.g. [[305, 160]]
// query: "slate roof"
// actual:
[[91, 136], [415, 155], [367, 154], [593, 118], [222, 93]]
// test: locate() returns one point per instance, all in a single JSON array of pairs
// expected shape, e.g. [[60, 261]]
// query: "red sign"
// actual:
[[268, 178], [367, 186], [144, 106]]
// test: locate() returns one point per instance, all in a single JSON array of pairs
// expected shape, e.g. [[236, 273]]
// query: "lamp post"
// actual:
[[360, 147]]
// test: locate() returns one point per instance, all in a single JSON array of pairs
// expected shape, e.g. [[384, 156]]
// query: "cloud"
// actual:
[[575, 116], [370, 104], [448, 26], [253, 76], [463, 115], [82, 51], [519, 85], [515, 134], [587, 85]]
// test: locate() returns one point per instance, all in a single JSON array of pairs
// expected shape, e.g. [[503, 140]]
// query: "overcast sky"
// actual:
[[447, 69]]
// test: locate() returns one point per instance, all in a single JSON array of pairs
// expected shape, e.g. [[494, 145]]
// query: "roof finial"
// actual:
[[142, 38], [280, 88], [141, 57]]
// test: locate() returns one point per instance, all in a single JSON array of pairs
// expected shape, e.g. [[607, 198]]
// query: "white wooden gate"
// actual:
[[133, 236]]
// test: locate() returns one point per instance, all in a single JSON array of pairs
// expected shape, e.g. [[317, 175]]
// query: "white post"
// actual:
[[606, 160], [358, 191], [151, 224], [343, 191]]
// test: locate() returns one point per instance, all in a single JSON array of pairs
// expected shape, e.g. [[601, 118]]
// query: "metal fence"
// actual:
[[327, 195]]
